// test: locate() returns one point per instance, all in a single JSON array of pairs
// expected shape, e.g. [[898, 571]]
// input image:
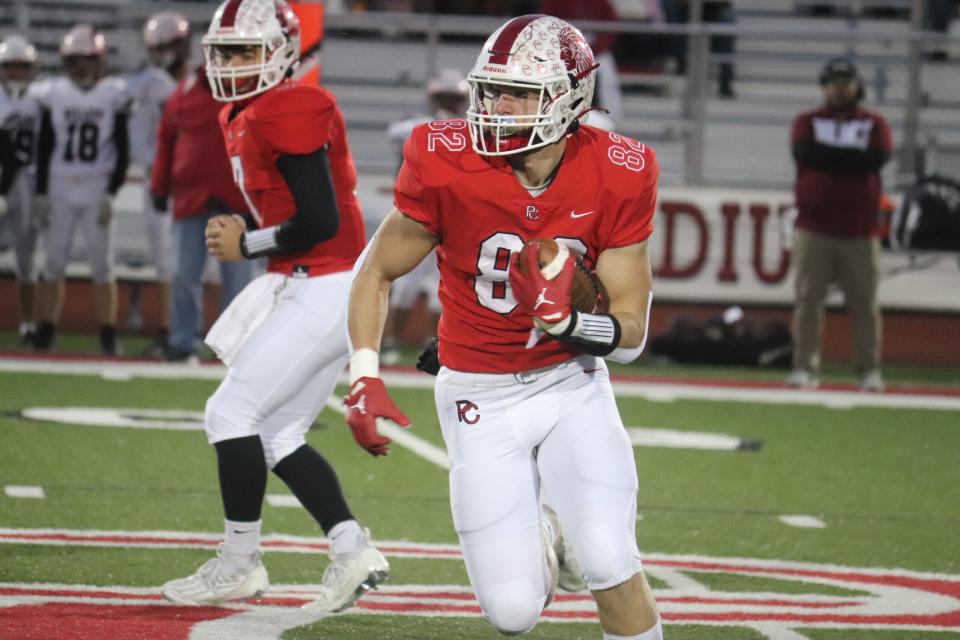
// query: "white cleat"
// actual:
[[348, 577], [213, 585], [872, 381], [802, 379], [569, 576]]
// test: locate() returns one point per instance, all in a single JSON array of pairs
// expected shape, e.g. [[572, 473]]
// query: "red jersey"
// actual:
[[603, 196], [294, 119], [833, 203], [191, 164]]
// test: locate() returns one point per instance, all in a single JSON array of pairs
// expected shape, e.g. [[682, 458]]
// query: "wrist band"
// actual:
[[364, 363], [258, 242]]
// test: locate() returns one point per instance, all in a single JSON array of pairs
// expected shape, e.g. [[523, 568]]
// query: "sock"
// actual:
[[243, 477], [653, 633], [346, 538], [314, 482], [27, 327], [240, 544]]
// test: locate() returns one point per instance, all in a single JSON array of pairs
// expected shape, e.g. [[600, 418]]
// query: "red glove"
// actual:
[[546, 300], [366, 402]]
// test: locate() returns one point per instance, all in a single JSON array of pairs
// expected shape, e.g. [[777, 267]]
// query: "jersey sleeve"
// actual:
[[296, 122], [409, 192], [634, 220]]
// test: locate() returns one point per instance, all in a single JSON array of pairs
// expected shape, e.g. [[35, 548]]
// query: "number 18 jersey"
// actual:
[[83, 125], [603, 196]]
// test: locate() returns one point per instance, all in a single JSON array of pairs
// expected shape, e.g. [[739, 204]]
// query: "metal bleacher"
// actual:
[[378, 64]]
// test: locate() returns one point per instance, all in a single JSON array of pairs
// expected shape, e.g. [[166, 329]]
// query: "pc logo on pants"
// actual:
[[465, 406]]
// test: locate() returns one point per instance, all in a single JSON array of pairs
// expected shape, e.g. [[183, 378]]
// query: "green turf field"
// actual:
[[884, 483]]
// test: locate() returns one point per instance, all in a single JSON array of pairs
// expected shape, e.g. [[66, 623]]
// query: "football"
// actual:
[[587, 293]]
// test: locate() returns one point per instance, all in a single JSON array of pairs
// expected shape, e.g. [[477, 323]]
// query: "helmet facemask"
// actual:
[[505, 134], [16, 76], [264, 35]]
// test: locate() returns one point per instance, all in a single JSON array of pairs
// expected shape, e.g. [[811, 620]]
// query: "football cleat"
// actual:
[[349, 576], [802, 379], [569, 575], [871, 381], [212, 584], [550, 529]]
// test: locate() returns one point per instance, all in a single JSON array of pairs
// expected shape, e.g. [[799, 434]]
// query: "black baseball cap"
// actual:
[[838, 68]]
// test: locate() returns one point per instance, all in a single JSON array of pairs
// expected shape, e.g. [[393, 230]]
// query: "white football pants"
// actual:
[[75, 202], [283, 374], [505, 435]]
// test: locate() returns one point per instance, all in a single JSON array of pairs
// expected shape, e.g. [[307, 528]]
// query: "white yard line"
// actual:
[[803, 522], [651, 390], [24, 491]]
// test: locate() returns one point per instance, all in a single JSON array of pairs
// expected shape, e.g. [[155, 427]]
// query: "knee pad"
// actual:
[[223, 418], [606, 557], [276, 447], [513, 607]]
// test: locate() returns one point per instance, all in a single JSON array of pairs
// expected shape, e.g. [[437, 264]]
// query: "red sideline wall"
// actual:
[[908, 337]]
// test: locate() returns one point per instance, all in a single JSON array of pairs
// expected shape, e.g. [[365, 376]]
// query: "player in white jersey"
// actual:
[[166, 37], [82, 156], [447, 95], [19, 118]]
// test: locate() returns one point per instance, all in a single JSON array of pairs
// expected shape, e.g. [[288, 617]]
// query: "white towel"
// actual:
[[246, 312]]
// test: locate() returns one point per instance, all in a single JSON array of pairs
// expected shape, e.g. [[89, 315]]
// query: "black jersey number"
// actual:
[[82, 142], [23, 146]]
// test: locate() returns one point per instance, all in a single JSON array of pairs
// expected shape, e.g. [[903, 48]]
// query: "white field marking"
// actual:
[[24, 491], [274, 543], [776, 632], [803, 522], [282, 500], [426, 450], [672, 439], [123, 418], [656, 391]]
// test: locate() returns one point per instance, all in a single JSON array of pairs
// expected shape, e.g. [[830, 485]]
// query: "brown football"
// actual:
[[587, 293]]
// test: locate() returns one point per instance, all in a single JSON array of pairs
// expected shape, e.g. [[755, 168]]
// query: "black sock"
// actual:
[[314, 482], [243, 477]]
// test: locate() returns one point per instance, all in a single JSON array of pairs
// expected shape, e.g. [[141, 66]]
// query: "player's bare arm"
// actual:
[[627, 275], [399, 245]]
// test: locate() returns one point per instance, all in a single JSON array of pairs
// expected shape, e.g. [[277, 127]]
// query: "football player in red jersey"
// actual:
[[523, 394], [284, 336]]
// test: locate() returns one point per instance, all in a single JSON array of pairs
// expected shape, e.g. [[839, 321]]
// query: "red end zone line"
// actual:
[[210, 543]]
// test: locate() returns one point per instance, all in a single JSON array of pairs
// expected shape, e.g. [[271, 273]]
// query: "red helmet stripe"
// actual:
[[500, 52], [230, 13]]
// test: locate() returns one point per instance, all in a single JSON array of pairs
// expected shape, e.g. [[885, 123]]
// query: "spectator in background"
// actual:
[[446, 99], [192, 167], [19, 119], [608, 79], [839, 149], [83, 150], [166, 37], [678, 11]]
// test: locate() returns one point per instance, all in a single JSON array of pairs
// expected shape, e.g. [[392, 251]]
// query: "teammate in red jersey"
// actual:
[[523, 394], [283, 337]]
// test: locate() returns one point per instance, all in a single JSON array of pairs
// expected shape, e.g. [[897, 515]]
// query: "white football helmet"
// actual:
[[268, 26], [84, 54], [166, 35], [18, 64], [539, 53]]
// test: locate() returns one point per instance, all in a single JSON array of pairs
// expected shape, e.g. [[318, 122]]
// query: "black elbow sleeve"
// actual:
[[317, 217]]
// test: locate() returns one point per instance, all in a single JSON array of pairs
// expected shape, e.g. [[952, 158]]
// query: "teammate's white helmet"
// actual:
[[84, 54], [539, 53], [18, 64], [164, 28], [269, 26]]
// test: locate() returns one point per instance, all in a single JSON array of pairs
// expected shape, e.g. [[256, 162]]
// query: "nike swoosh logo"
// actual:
[[574, 214]]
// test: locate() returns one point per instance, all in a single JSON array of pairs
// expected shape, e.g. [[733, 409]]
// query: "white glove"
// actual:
[[106, 211], [3, 206], [41, 211]]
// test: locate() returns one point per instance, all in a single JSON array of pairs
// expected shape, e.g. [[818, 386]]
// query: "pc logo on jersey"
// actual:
[[464, 407], [532, 212]]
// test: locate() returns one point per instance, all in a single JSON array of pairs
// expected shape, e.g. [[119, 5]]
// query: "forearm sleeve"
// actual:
[[121, 138], [317, 217], [45, 143]]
